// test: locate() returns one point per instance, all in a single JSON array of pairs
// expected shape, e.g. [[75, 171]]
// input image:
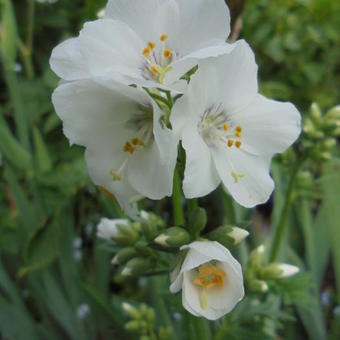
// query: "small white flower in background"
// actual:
[[151, 43], [83, 311], [129, 150], [107, 229], [101, 13], [229, 131], [210, 278]]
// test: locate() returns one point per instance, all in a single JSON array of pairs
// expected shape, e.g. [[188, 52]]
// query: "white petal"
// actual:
[[149, 175], [67, 61], [287, 270], [111, 47], [202, 23], [226, 297], [139, 15], [99, 165], [236, 73], [200, 176], [269, 126], [107, 229], [90, 111], [254, 184]]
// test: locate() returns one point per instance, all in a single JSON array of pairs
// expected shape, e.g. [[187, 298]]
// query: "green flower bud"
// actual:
[[124, 255], [151, 223], [278, 271], [173, 237], [259, 286], [228, 236], [329, 143], [137, 266], [131, 311], [316, 113], [256, 257], [197, 220], [333, 113], [127, 235], [133, 325]]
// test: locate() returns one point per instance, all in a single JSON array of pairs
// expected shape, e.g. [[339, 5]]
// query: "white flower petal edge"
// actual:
[[151, 43], [210, 278], [107, 229], [238, 130], [128, 151]]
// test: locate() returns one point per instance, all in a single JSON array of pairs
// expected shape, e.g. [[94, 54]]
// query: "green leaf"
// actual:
[[332, 189], [43, 160], [43, 249]]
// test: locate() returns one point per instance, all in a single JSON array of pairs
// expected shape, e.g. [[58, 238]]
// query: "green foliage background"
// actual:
[[51, 261]]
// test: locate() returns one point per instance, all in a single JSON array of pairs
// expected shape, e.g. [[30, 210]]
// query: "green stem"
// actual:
[[281, 226], [27, 54], [177, 206]]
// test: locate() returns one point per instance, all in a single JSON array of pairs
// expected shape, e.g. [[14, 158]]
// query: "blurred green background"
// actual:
[[55, 276]]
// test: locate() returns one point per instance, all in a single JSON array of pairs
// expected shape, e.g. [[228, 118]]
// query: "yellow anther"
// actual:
[[236, 176], [209, 276], [128, 148], [146, 52], [154, 69], [225, 126], [151, 45], [167, 53], [238, 128], [238, 144], [116, 176], [238, 134], [164, 37], [230, 143]]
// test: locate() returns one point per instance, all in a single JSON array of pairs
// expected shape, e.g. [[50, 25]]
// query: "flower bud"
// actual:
[[130, 310], [256, 256], [173, 237], [258, 286], [316, 113], [137, 266], [133, 325], [333, 113], [329, 143], [117, 230], [124, 255], [278, 271], [197, 220], [228, 236]]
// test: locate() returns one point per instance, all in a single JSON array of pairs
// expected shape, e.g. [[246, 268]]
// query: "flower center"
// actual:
[[158, 59], [218, 130], [142, 125], [209, 276]]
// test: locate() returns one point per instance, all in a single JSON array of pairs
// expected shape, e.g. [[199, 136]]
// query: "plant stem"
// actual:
[[27, 55], [177, 200], [281, 226]]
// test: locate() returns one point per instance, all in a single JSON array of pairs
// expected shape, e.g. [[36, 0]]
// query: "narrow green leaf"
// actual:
[[43, 160]]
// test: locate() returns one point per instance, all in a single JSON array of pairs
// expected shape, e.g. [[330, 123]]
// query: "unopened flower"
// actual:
[[229, 131], [108, 229], [152, 43], [129, 150], [210, 278]]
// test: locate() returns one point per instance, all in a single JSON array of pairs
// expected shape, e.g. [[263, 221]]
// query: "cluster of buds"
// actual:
[[259, 273], [320, 132], [142, 322], [137, 244]]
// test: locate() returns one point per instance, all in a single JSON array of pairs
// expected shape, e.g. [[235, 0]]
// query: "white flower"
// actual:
[[107, 229], [229, 131], [210, 278], [129, 150], [146, 42]]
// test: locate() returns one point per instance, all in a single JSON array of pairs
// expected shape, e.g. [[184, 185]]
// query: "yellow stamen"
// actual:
[[151, 45], [167, 53], [154, 70], [164, 37], [230, 143], [238, 144], [238, 134], [209, 276], [238, 129], [236, 176], [146, 52], [128, 148], [225, 126]]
